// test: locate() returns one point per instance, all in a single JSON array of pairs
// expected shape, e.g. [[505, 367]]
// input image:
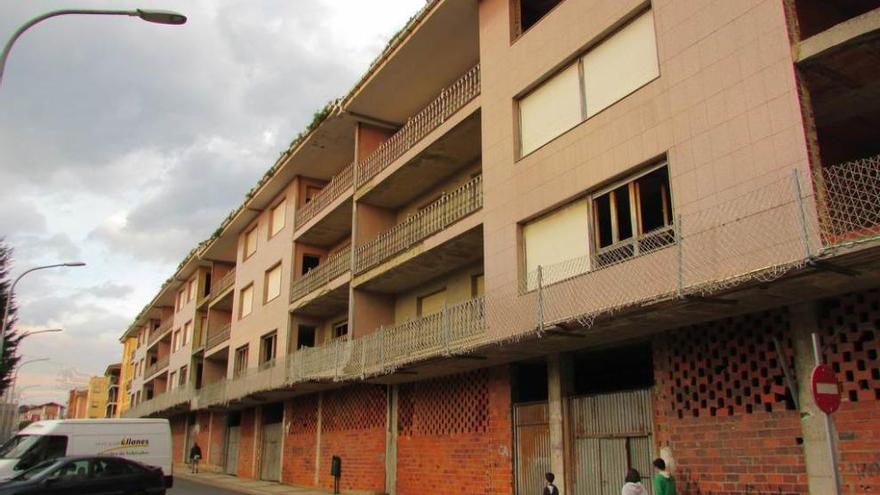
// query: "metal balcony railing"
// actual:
[[224, 283], [336, 265], [435, 217], [159, 332], [159, 403], [154, 368], [218, 337], [450, 100], [340, 183]]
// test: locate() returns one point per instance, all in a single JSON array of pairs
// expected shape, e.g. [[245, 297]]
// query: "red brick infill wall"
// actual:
[[301, 422]]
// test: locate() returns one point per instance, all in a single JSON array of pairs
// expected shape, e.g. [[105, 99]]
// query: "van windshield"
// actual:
[[16, 446]]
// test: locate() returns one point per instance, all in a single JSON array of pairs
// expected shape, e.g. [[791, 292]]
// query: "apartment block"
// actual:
[[77, 404], [564, 236]]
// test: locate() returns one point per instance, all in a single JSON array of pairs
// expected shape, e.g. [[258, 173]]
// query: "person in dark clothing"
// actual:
[[550, 488], [195, 453]]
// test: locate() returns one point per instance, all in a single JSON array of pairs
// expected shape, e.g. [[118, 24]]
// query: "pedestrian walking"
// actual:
[[632, 483], [549, 487], [664, 483], [195, 453]]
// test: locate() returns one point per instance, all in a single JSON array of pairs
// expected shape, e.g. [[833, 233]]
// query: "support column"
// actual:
[[805, 321], [391, 441], [318, 439], [559, 375]]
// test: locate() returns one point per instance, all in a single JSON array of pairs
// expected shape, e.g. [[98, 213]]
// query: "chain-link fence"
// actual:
[[756, 236]]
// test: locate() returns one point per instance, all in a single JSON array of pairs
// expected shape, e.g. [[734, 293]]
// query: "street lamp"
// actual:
[[12, 288], [45, 330], [155, 16]]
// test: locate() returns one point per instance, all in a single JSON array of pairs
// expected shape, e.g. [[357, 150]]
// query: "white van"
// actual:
[[147, 441]]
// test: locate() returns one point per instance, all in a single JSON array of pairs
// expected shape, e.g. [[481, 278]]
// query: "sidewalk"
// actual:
[[250, 487]]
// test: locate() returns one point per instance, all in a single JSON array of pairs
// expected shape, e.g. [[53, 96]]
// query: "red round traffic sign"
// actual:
[[826, 390]]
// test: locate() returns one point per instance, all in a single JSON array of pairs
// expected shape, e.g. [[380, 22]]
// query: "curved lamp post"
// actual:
[[12, 288], [155, 16]]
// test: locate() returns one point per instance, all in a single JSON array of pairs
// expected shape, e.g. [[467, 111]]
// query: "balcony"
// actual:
[[336, 265], [164, 402], [463, 245], [156, 367], [159, 332], [218, 337], [325, 230], [450, 100], [225, 283]]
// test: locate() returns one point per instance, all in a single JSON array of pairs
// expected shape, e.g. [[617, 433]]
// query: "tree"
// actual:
[[10, 350]]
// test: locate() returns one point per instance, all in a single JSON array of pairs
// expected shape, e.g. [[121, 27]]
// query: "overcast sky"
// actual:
[[124, 143]]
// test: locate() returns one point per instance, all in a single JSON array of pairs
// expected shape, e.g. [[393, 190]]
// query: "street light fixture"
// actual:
[[46, 330], [12, 288], [154, 16]]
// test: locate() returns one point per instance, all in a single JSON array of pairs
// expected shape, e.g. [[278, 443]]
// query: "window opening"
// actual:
[[267, 348], [613, 370], [241, 358], [310, 262], [340, 329], [530, 382], [305, 337]]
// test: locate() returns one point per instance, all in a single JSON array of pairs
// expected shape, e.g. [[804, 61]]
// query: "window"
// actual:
[[191, 290], [305, 337], [250, 242], [340, 329], [633, 218], [187, 333], [310, 262], [241, 358], [267, 348], [311, 192], [179, 301], [526, 13], [272, 288], [175, 340], [612, 69], [73, 471], [556, 237], [207, 289], [431, 303], [276, 218], [183, 376], [172, 383], [247, 301], [478, 285]]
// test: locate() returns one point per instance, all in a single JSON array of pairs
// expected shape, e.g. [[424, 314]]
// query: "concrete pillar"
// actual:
[[318, 439], [559, 378], [805, 321], [391, 441]]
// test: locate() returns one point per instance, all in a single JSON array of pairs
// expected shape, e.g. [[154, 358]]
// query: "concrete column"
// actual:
[[318, 438], [559, 375], [805, 321], [391, 441]]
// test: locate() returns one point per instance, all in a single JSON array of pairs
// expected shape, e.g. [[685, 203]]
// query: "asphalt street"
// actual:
[[184, 487]]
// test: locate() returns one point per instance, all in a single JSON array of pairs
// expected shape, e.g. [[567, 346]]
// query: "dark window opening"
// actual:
[[613, 370], [340, 329], [273, 413], [528, 12], [233, 419], [207, 289], [654, 200], [530, 382], [310, 263], [305, 337]]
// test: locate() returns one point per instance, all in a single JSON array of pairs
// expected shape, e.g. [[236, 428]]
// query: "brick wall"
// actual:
[[301, 420], [353, 427], [851, 343], [722, 407], [455, 435], [246, 444], [178, 437]]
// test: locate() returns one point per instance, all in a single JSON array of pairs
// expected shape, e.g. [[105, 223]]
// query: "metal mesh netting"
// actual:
[[757, 236]]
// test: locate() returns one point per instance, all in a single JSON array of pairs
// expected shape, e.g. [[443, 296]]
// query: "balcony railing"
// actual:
[[435, 217], [336, 265], [450, 100], [340, 183], [224, 283], [218, 337], [159, 332], [157, 366], [159, 403]]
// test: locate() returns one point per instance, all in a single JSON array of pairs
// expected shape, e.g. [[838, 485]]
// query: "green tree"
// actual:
[[10, 349]]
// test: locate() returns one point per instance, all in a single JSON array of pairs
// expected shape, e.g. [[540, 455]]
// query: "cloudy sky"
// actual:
[[124, 143]]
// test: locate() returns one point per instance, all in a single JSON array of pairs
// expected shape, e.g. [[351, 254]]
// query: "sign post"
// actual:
[[826, 394]]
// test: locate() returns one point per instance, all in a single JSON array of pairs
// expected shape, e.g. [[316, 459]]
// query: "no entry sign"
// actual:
[[826, 391]]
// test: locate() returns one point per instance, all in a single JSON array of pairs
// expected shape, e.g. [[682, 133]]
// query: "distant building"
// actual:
[[76, 404], [41, 412], [112, 374], [126, 374]]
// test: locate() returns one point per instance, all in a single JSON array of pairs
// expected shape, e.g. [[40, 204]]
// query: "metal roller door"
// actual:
[[532, 437], [270, 452], [232, 436]]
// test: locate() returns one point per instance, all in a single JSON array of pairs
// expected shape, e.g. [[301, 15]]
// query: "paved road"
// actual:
[[184, 487]]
